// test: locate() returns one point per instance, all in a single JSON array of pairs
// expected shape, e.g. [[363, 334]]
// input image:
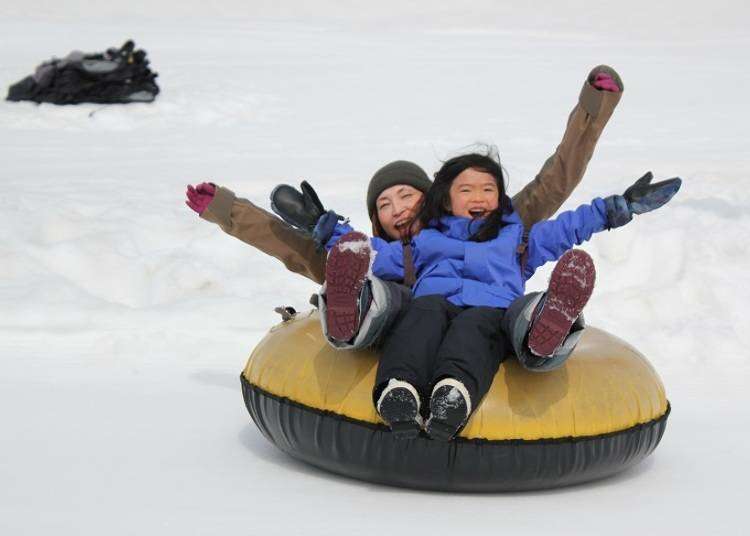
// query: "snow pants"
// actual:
[[434, 339], [516, 324], [389, 301]]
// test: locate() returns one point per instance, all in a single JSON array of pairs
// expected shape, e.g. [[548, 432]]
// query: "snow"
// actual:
[[355, 246], [125, 320]]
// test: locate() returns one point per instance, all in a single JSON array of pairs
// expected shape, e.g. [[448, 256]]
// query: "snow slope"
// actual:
[[125, 320]]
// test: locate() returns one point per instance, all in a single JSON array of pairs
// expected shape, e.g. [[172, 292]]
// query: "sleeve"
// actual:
[[548, 240], [273, 236], [389, 260], [340, 230], [562, 171]]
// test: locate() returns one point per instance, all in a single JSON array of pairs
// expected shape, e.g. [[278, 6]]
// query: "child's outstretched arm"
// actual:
[[548, 240], [303, 210]]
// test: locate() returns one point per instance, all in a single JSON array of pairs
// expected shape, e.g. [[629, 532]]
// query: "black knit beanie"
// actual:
[[398, 172]]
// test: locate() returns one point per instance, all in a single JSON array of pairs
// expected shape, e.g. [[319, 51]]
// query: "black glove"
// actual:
[[303, 210], [299, 209], [641, 197]]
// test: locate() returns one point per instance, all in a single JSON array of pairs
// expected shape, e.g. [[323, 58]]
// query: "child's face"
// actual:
[[473, 194]]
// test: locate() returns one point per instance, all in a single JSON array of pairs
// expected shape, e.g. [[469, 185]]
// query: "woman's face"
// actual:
[[473, 194], [396, 209]]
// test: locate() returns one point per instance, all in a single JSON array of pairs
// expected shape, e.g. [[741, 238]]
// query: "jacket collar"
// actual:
[[462, 228]]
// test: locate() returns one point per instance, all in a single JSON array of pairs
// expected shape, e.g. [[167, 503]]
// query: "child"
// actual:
[[472, 260]]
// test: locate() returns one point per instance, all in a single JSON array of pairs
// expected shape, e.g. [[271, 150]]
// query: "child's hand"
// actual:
[[200, 197], [299, 208], [324, 229], [302, 209], [641, 197]]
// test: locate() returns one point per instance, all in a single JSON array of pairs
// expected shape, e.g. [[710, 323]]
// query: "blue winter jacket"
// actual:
[[482, 273]]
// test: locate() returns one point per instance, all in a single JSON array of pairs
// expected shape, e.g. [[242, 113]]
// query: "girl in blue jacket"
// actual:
[[472, 260]]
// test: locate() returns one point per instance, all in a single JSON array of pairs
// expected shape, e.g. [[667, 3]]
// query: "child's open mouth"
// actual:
[[478, 213]]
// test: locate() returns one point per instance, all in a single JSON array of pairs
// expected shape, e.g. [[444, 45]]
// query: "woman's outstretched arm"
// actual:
[[562, 171], [248, 222]]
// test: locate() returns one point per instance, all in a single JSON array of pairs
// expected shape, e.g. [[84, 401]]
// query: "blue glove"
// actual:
[[324, 228], [641, 197]]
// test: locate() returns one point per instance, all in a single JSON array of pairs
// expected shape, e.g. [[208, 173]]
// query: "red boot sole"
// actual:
[[570, 287], [346, 272]]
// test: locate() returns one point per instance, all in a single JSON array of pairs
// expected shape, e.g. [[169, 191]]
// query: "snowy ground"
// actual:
[[125, 320]]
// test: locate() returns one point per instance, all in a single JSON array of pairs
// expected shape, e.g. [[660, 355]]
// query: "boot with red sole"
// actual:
[[347, 270], [570, 287]]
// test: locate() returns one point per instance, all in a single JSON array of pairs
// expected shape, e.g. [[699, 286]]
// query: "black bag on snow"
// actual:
[[115, 76]]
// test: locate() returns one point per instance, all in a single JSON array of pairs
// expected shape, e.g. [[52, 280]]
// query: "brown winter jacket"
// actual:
[[537, 201]]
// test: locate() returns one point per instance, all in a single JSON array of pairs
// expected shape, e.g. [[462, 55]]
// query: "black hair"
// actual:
[[437, 200]]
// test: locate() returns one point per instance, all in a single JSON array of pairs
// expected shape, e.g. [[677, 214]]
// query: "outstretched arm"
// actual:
[[548, 240], [562, 171], [303, 209], [261, 229]]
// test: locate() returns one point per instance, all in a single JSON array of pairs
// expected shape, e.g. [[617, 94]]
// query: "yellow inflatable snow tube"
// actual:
[[601, 412]]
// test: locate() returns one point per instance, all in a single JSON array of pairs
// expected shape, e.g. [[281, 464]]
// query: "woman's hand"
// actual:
[[605, 82], [200, 197]]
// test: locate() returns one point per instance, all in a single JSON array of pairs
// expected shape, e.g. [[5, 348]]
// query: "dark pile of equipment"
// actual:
[[119, 75]]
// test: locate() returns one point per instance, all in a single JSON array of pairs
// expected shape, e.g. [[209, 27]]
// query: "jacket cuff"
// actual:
[[617, 211], [219, 210], [595, 100]]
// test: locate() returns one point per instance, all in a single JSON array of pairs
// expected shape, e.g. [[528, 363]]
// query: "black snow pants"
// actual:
[[434, 339]]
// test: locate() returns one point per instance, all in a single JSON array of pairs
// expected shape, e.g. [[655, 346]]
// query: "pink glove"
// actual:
[[198, 198], [605, 82]]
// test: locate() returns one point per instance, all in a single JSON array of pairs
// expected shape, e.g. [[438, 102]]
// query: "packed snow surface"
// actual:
[[125, 319]]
